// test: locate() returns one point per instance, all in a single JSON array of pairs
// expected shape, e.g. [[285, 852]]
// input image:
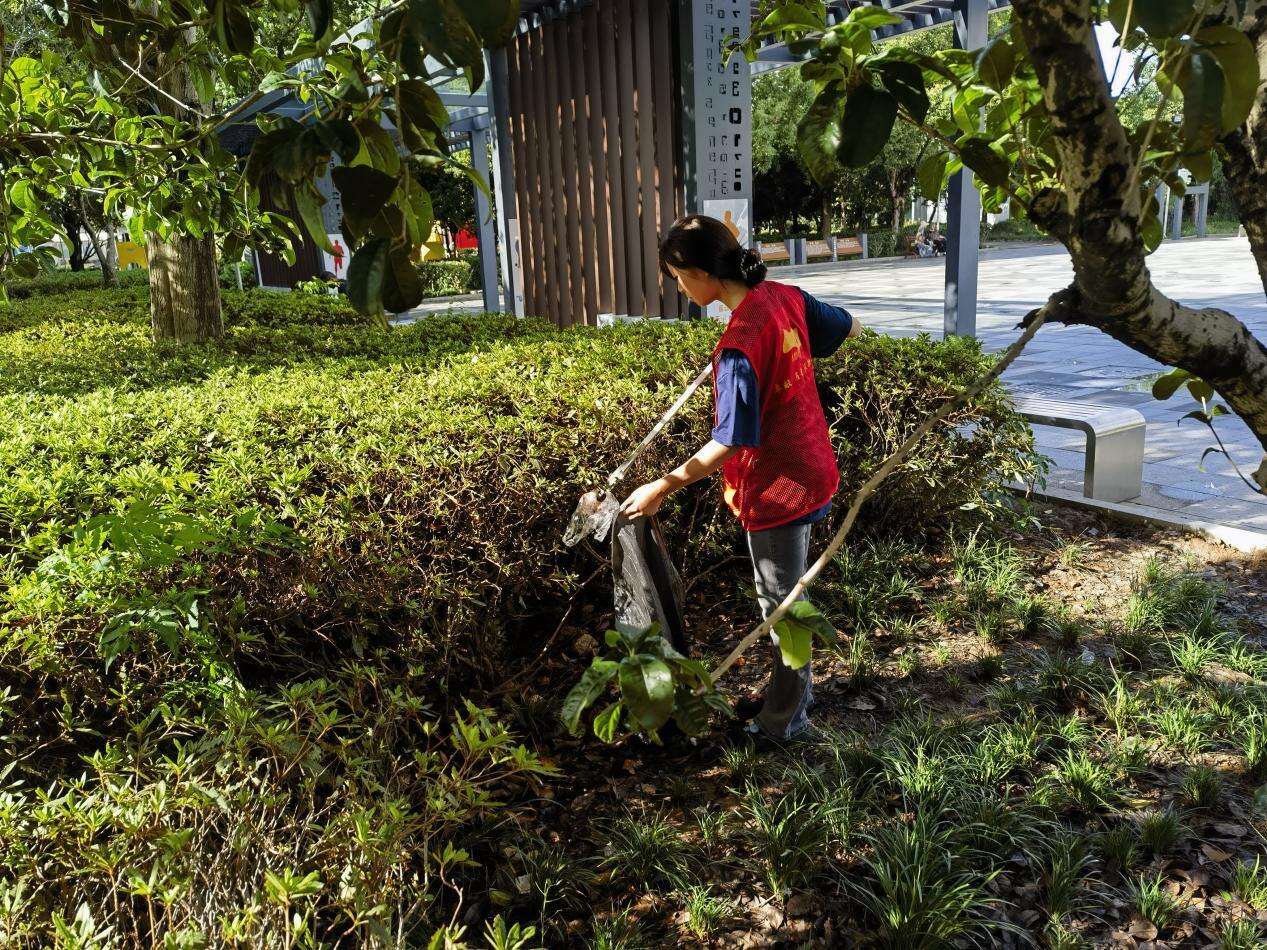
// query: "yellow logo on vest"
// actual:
[[791, 340]]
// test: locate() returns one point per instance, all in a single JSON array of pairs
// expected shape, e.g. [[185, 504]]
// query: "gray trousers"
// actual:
[[778, 561]]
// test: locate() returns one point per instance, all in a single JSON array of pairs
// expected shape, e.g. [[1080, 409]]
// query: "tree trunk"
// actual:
[[109, 273], [184, 280], [1245, 162], [895, 199], [824, 221], [1095, 212]]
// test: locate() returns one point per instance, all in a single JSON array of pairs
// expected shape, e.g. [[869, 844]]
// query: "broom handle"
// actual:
[[689, 391]]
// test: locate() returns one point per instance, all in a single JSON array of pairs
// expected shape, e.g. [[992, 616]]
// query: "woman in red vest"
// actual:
[[770, 439]]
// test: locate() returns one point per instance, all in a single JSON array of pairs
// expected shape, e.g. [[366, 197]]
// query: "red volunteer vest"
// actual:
[[793, 471]]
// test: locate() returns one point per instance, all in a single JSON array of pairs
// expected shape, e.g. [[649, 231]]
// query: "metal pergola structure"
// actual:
[[486, 120]]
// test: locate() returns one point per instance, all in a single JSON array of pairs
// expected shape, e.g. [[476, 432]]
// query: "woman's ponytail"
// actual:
[[704, 243]]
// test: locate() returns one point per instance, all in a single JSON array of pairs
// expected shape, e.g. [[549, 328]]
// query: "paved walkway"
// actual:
[[904, 297]]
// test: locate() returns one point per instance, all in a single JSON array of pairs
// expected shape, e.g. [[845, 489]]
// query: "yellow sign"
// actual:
[[433, 250], [131, 254]]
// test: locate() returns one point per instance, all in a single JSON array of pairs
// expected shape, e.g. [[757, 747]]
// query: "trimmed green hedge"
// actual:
[[287, 549], [446, 278], [64, 281]]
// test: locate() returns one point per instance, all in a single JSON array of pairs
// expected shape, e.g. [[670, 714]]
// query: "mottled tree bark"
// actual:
[[1245, 150], [184, 280], [1096, 214], [109, 269]]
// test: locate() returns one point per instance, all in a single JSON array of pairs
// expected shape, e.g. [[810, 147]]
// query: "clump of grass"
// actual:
[[1246, 658], [1057, 935], [1200, 787], [921, 889], [1151, 900], [620, 931], [1031, 613], [1183, 727], [1254, 747], [989, 666], [1118, 847], [1137, 647], [711, 823], [1190, 656], [1160, 830], [1080, 783], [742, 762], [860, 661], [1073, 553], [1120, 706], [647, 851], [991, 627], [705, 911], [1249, 883], [909, 664], [788, 834], [1241, 935], [1062, 872], [1063, 678], [1166, 599], [989, 572], [1003, 750]]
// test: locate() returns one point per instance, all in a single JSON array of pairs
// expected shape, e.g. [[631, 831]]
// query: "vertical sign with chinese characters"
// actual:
[[721, 97]]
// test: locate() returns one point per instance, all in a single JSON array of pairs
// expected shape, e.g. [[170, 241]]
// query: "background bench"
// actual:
[[1114, 467]]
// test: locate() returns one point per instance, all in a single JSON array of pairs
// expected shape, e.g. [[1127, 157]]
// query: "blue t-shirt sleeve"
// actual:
[[738, 403], [827, 325]]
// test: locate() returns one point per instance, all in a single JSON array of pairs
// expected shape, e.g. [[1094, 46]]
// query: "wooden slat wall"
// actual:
[[595, 142]]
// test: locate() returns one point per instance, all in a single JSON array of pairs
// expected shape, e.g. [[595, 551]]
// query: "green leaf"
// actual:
[[991, 167], [690, 711], [1236, 57], [795, 640], [402, 284], [1202, 84], [804, 612], [365, 276], [233, 27], [1199, 389], [996, 62], [1162, 18], [871, 17], [363, 190], [493, 20], [591, 684], [1197, 414], [906, 83], [931, 175], [308, 203], [818, 140], [339, 137], [607, 722], [445, 33], [794, 16], [646, 685], [320, 17], [865, 126], [1165, 386], [423, 107]]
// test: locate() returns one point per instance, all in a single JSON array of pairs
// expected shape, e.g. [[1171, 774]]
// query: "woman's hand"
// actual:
[[645, 501]]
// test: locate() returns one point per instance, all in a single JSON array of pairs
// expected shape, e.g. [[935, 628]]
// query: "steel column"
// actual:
[[484, 222], [507, 198], [963, 211]]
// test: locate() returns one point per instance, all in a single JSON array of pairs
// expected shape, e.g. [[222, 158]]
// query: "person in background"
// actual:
[[770, 440]]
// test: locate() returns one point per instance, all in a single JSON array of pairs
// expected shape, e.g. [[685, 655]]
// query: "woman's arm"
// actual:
[[647, 499]]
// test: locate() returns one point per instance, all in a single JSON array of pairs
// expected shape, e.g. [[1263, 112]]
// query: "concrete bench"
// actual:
[[1114, 466]]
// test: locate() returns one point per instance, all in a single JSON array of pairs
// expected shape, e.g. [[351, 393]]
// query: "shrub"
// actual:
[[883, 244], [64, 281], [446, 278], [287, 546]]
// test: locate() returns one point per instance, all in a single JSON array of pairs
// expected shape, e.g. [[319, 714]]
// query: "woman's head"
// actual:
[[701, 254]]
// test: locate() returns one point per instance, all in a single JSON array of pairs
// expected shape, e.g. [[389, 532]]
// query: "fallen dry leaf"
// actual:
[[1215, 854]]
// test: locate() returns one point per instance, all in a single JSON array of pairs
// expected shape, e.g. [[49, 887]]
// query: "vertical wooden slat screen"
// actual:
[[644, 84], [595, 140], [575, 64], [634, 297], [611, 159], [665, 112], [525, 163]]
